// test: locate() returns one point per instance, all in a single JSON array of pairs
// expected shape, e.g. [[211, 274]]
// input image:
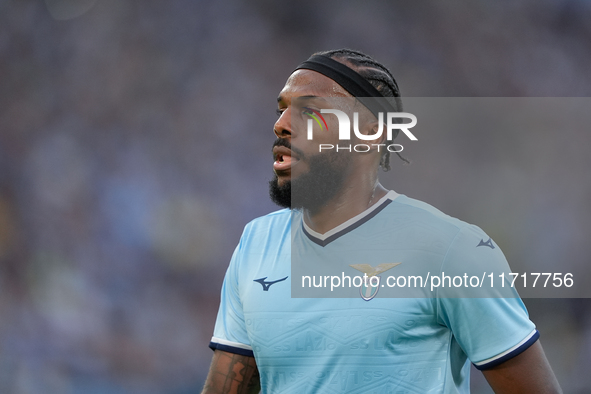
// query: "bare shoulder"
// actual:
[[232, 374]]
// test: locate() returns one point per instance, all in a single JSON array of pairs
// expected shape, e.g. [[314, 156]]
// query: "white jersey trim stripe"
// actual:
[[498, 356], [391, 195], [230, 343]]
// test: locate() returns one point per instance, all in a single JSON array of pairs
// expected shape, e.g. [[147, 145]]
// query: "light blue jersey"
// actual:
[[369, 342]]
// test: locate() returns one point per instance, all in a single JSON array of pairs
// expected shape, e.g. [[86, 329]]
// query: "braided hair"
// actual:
[[379, 76]]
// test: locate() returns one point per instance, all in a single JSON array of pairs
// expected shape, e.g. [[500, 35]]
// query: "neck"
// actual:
[[349, 202]]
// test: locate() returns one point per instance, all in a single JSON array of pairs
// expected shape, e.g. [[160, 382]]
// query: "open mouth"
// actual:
[[284, 159]]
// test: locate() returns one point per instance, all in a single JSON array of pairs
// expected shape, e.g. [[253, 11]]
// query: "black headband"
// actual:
[[351, 81]]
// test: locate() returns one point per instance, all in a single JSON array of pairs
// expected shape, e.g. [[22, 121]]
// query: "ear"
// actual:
[[372, 127]]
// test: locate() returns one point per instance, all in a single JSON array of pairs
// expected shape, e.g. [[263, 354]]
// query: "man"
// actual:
[[339, 215]]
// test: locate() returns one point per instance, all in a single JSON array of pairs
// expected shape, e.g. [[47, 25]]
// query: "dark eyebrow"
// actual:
[[302, 98], [307, 97]]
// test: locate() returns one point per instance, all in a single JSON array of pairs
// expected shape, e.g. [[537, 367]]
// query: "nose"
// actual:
[[282, 127]]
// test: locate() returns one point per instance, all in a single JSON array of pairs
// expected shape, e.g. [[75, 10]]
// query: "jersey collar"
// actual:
[[349, 225]]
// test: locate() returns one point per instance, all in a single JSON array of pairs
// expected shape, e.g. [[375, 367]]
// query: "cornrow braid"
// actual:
[[379, 76]]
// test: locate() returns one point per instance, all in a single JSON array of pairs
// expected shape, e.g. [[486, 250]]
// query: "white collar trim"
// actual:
[[391, 195]]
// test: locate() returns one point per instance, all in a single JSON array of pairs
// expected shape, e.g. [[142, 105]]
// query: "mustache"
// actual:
[[287, 144]]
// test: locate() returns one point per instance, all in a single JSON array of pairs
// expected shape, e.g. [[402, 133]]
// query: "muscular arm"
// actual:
[[232, 374], [529, 372]]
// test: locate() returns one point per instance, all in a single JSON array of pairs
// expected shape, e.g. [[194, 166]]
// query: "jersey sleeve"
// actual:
[[230, 333], [486, 316]]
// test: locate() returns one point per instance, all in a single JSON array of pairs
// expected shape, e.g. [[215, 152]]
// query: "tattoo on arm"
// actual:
[[232, 374]]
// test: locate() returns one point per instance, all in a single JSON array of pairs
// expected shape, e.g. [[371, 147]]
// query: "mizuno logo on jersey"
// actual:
[[487, 243], [266, 285]]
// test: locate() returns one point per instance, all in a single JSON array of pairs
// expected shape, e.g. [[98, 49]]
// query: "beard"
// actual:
[[312, 190]]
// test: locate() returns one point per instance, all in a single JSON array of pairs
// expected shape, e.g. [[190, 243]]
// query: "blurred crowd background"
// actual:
[[135, 145]]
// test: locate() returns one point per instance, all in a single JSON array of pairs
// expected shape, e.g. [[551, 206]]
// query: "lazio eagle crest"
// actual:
[[371, 290]]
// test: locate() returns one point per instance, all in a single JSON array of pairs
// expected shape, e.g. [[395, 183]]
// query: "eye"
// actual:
[[307, 111], [279, 112]]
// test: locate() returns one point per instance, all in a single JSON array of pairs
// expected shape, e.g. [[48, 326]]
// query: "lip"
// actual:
[[284, 159]]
